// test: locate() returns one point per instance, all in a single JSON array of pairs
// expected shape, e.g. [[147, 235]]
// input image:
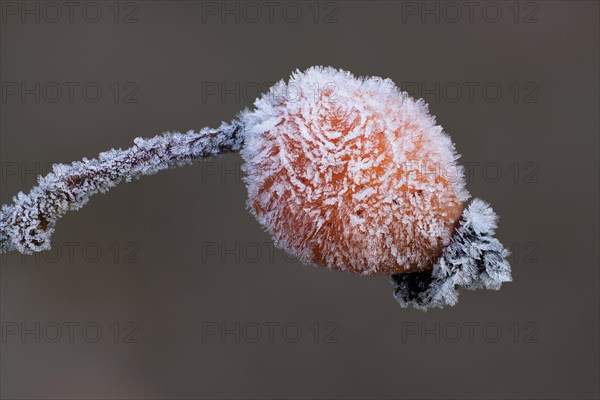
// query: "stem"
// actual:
[[28, 223]]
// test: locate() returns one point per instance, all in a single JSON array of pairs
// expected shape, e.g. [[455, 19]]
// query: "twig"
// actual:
[[27, 224]]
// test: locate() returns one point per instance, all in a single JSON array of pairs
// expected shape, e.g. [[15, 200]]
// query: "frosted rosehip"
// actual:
[[346, 172], [351, 173]]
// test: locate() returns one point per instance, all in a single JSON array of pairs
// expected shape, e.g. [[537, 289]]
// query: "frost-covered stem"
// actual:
[[28, 223]]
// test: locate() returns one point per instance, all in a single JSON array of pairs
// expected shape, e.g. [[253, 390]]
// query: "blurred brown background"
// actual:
[[167, 288]]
